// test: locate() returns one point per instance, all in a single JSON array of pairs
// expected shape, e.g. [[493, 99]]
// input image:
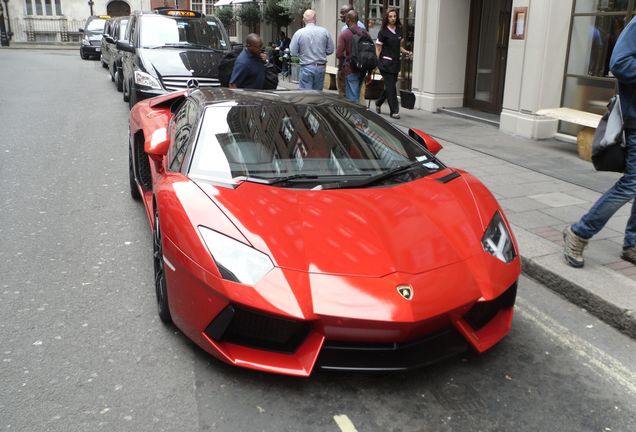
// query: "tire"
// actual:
[[83, 55], [125, 94], [132, 96], [134, 190], [119, 81], [112, 75], [104, 64], [163, 308]]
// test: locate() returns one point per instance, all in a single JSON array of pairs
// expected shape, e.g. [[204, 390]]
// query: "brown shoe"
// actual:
[[629, 254], [573, 248]]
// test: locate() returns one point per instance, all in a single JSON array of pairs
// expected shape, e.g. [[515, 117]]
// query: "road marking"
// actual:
[[344, 423], [598, 361]]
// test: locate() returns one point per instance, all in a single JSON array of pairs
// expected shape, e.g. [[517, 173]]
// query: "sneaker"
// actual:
[[629, 254], [573, 248], [395, 116], [378, 109]]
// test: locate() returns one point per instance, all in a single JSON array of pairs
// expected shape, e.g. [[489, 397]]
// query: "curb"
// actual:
[[621, 319]]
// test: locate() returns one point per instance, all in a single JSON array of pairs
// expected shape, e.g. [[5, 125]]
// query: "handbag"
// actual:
[[271, 77], [608, 146], [374, 88], [407, 99]]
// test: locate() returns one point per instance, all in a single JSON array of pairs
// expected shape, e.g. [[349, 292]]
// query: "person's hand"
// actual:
[[264, 57]]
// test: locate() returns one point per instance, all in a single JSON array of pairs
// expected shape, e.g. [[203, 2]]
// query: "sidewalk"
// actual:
[[542, 186]]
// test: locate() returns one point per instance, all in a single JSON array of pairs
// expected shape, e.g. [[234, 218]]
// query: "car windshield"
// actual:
[[160, 31], [96, 25], [327, 144]]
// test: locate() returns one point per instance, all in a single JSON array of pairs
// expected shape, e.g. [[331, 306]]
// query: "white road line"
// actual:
[[598, 361], [344, 423]]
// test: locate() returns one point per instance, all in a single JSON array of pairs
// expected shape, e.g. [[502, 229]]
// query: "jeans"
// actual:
[[311, 78], [352, 87], [389, 93], [618, 195]]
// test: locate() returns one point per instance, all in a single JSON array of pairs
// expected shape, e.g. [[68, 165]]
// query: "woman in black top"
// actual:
[[389, 45]]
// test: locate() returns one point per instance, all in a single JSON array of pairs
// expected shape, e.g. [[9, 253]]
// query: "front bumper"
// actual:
[[141, 94], [90, 50], [343, 322]]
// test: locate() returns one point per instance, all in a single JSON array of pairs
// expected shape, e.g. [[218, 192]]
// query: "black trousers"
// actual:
[[390, 92]]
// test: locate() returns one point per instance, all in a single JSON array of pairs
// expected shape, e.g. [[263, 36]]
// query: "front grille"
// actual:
[[257, 330], [397, 356], [95, 42], [482, 312], [179, 82]]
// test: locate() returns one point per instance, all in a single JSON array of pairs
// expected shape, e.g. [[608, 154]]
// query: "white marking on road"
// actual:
[[344, 423], [598, 361]]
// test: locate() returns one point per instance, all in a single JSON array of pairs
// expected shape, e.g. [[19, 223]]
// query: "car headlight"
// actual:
[[143, 79], [85, 41], [236, 261], [497, 241]]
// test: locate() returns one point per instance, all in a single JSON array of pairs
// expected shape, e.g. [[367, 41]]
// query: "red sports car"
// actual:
[[295, 230]]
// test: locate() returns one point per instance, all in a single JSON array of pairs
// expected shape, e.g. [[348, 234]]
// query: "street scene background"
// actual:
[[82, 347]]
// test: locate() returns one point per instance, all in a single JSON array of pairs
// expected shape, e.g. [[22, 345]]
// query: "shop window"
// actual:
[[594, 29]]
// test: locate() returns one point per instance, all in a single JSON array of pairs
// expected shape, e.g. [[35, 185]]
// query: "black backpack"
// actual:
[[225, 68], [363, 58]]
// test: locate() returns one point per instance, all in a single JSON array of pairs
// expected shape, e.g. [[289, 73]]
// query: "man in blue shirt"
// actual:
[[312, 44], [576, 236], [249, 68]]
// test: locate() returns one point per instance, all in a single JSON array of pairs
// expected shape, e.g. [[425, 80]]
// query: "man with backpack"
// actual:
[[356, 52]]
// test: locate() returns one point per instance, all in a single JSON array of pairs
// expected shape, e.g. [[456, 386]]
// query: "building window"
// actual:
[[594, 28], [197, 5], [43, 7]]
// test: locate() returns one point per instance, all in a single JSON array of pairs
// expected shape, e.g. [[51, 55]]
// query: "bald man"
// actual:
[[311, 44]]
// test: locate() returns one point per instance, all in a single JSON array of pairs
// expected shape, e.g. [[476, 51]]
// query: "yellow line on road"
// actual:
[[344, 423], [597, 360]]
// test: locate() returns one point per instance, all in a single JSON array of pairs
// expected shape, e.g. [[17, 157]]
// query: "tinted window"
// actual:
[[158, 31], [299, 139]]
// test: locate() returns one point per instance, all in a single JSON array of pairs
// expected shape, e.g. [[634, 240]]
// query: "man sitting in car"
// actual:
[[249, 68]]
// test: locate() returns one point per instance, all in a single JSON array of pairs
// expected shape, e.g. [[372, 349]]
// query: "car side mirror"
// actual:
[[237, 47], [426, 140], [156, 145], [109, 39], [125, 46], [81, 30]]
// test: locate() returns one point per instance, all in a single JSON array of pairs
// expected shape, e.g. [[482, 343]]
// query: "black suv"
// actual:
[[111, 56], [91, 43], [169, 50]]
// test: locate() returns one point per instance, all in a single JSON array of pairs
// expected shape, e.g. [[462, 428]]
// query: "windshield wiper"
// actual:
[[360, 183]]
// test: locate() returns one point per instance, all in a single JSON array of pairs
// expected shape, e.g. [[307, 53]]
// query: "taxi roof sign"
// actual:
[[103, 16], [177, 12]]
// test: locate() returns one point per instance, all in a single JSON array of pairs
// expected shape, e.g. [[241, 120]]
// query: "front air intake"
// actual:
[[482, 312], [254, 329]]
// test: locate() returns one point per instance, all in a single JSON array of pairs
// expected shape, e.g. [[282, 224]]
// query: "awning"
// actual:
[[231, 2]]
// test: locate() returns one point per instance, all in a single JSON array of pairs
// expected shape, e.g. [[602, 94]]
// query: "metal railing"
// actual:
[[46, 30]]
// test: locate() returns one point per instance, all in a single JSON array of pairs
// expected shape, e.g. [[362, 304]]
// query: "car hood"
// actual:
[[182, 62], [410, 228]]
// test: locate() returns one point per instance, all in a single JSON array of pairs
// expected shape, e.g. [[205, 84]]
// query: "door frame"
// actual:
[[499, 78]]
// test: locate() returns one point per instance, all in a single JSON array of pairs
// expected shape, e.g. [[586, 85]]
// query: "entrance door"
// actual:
[[489, 31]]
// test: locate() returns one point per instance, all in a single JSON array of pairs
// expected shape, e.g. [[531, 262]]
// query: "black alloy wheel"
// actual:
[[134, 190], [160, 275], [83, 55]]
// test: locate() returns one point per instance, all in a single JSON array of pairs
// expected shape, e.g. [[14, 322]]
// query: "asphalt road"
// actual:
[[82, 348]]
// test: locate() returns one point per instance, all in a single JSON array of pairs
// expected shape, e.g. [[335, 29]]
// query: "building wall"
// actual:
[[534, 71]]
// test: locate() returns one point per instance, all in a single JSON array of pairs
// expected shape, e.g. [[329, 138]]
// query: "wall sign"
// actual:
[[519, 19]]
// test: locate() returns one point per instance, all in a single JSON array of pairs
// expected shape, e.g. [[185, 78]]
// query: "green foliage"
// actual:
[[225, 14], [275, 13], [250, 15], [295, 8]]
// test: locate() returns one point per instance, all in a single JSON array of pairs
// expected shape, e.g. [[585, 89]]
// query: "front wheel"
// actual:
[[134, 190], [160, 275], [125, 91]]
